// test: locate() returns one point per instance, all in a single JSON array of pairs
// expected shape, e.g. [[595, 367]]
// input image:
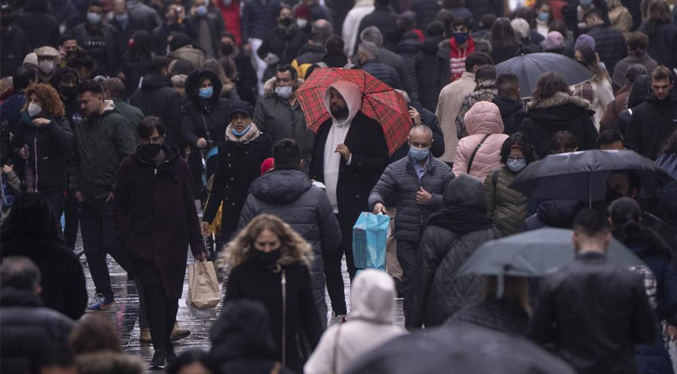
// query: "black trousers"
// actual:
[[70, 230], [332, 266], [409, 259], [161, 313]]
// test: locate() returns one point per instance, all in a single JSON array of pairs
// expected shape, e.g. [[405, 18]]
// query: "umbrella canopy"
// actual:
[[459, 348], [379, 102], [534, 253], [530, 67], [582, 175]]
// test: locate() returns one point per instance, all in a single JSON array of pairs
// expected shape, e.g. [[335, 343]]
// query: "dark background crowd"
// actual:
[[151, 126]]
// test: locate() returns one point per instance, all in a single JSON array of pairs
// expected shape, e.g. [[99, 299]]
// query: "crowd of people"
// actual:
[[148, 128]]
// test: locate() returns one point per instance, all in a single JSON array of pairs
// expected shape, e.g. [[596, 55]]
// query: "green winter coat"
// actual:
[[101, 143], [506, 207]]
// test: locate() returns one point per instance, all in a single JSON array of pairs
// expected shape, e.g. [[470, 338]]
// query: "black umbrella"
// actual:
[[530, 67], [534, 254], [459, 348], [582, 175]]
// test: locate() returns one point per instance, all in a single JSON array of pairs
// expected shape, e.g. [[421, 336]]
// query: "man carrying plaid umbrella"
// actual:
[[349, 155]]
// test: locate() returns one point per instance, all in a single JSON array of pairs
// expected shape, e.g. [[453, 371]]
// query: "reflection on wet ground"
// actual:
[[126, 312]]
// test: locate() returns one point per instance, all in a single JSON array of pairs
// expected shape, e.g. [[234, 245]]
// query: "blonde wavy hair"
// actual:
[[294, 248]]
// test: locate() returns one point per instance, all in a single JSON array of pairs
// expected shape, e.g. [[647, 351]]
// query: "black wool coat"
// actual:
[[155, 215]]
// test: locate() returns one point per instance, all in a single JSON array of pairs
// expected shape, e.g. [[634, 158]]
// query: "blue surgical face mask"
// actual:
[[544, 17], [516, 164], [461, 37], [207, 92], [418, 154], [240, 133], [586, 2], [201, 10], [122, 18]]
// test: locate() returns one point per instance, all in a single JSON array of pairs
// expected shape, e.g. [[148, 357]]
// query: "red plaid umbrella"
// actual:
[[379, 102]]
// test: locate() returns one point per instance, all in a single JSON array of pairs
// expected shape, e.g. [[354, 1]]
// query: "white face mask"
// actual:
[[301, 23], [284, 92], [34, 110], [46, 66]]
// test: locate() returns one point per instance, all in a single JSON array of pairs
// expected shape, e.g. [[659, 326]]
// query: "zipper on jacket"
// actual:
[[284, 318]]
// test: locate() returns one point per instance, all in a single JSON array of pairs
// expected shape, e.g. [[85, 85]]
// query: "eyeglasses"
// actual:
[[155, 140]]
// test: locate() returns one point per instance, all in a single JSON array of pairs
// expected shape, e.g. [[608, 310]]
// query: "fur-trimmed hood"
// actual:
[[557, 113], [109, 362], [269, 86], [560, 99]]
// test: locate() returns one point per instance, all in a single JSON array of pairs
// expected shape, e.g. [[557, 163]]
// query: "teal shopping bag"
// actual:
[[369, 241]]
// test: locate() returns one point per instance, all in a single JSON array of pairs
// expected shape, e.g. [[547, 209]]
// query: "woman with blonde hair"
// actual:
[[620, 16], [270, 263], [44, 139]]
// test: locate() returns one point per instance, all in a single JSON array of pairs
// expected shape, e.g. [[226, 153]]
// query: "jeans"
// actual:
[[70, 229], [98, 239], [56, 201]]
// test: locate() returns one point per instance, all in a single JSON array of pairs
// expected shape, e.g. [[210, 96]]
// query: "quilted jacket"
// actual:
[[506, 207], [484, 118]]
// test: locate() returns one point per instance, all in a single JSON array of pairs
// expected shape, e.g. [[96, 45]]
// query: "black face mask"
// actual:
[[227, 49], [286, 21], [151, 150], [69, 92], [266, 259]]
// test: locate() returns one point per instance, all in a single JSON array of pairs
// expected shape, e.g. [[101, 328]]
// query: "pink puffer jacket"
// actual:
[[482, 119]]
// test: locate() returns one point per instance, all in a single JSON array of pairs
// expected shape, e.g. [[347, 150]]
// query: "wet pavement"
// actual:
[[125, 313]]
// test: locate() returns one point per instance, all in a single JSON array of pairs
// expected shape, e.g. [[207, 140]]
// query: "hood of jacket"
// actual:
[[662, 105], [153, 82], [171, 153], [373, 297], [280, 187], [555, 113], [484, 118], [558, 213], [243, 329], [431, 45], [14, 297], [465, 191], [507, 106], [56, 78], [306, 48], [351, 94], [193, 86], [31, 216], [109, 362], [640, 91]]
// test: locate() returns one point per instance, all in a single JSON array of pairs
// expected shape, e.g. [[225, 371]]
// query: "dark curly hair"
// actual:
[[518, 140]]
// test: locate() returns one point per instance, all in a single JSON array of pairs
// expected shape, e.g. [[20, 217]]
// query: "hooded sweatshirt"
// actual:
[[370, 325], [337, 135]]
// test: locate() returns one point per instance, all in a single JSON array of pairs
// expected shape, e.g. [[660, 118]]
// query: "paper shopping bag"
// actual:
[[203, 286], [369, 241]]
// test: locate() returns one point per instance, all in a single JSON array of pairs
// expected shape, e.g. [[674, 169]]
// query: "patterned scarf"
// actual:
[[250, 135]]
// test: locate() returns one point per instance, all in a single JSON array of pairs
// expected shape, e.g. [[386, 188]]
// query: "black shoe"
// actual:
[[159, 360], [171, 356]]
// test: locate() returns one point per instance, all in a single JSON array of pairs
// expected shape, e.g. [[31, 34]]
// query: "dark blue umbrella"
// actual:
[[530, 67], [582, 175]]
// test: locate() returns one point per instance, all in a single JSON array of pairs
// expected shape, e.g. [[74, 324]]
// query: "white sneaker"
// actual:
[[337, 319]]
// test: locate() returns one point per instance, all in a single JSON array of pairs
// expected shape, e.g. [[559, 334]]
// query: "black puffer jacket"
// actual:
[[553, 213], [610, 45], [652, 122], [157, 98], [426, 11], [482, 7], [452, 235], [50, 145], [103, 45], [561, 112], [494, 315], [290, 195], [383, 72], [398, 186], [257, 18], [26, 327], [662, 43], [14, 47], [242, 339], [408, 48]]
